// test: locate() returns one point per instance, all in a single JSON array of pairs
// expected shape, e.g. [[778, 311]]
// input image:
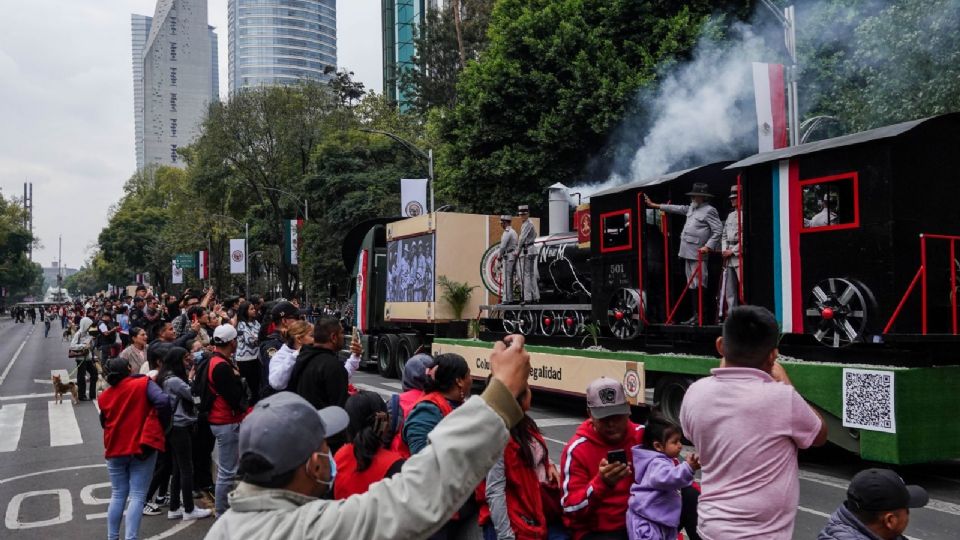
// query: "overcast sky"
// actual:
[[66, 105]]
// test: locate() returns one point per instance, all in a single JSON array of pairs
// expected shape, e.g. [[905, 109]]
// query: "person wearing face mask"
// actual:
[[318, 375], [286, 465], [701, 234]]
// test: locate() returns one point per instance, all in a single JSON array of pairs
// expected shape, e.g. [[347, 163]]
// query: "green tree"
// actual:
[[556, 78], [18, 274]]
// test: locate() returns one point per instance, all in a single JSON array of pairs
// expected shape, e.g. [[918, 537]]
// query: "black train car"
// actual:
[[630, 262], [836, 231]]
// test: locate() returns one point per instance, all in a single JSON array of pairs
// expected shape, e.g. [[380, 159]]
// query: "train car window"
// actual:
[[830, 203], [653, 216], [615, 231]]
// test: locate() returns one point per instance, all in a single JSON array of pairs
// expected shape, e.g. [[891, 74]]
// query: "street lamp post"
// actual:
[[428, 155]]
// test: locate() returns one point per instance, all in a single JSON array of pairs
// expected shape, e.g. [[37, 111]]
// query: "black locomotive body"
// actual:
[[851, 241]]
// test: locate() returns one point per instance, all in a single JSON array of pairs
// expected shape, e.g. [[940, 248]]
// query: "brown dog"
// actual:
[[59, 389]]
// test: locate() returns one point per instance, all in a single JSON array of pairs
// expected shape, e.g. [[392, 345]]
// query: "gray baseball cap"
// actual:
[[605, 398], [284, 429]]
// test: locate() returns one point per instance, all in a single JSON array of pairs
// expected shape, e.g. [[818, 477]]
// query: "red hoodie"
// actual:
[[589, 505]]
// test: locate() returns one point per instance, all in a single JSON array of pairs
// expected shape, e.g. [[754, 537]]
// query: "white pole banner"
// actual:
[[413, 196], [238, 256], [177, 274]]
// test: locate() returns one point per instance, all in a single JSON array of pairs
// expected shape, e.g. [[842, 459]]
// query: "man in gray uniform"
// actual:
[[730, 246], [528, 256], [508, 260], [701, 235], [826, 215]]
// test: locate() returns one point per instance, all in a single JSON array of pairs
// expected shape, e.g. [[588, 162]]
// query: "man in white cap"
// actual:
[[287, 464], [528, 256], [226, 409], [701, 235], [508, 259]]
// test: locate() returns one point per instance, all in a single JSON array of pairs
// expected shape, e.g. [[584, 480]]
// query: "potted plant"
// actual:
[[458, 296]]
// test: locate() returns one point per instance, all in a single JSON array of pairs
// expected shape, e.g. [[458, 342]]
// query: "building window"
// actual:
[[173, 127], [173, 102], [173, 76], [830, 203], [616, 231], [173, 153], [173, 51]]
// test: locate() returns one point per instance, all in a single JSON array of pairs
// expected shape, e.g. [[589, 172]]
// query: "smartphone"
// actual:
[[617, 456], [356, 335]]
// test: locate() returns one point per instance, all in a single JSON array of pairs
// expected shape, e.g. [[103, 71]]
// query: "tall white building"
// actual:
[[175, 76]]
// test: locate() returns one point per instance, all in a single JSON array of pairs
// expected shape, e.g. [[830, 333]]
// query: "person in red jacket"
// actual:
[[594, 491], [414, 378], [514, 490], [364, 460], [133, 410]]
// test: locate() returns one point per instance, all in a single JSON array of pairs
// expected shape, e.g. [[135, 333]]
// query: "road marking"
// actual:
[[89, 499], [812, 511], [393, 384], [934, 504], [50, 471], [11, 424], [65, 512], [557, 422], [16, 355], [25, 396], [64, 429], [562, 443], [173, 530]]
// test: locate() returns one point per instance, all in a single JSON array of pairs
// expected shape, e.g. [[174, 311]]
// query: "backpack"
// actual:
[[200, 388], [396, 418]]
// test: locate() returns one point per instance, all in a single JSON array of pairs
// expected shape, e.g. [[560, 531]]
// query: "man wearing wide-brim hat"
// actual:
[[701, 235], [508, 259]]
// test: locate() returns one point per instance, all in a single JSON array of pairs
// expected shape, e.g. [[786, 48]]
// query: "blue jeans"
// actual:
[[129, 480], [228, 460]]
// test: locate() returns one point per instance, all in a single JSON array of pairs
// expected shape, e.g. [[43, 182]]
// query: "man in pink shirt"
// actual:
[[747, 422]]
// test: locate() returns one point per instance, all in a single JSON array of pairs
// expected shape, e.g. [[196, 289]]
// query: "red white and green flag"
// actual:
[[292, 240], [203, 264]]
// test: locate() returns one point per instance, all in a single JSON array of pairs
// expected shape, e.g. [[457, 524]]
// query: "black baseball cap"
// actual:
[[878, 490], [283, 310]]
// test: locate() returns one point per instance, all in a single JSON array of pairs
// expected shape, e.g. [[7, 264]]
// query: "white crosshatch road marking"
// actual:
[[11, 424], [64, 428]]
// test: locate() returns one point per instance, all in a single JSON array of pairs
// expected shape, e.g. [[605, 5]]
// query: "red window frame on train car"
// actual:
[[854, 178], [603, 219]]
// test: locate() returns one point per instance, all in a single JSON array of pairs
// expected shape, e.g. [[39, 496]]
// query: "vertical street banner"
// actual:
[[238, 256], [292, 241], [176, 274], [771, 101], [203, 264], [413, 196]]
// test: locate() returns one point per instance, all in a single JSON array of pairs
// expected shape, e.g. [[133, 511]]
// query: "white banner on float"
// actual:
[[413, 196]]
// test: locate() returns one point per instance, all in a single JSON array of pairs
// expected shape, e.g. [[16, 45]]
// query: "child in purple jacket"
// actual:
[[654, 505]]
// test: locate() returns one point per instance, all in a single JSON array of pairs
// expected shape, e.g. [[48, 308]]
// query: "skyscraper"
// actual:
[[175, 76], [400, 20], [280, 41]]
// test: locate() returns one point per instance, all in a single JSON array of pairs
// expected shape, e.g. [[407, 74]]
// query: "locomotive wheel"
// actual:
[[510, 319], [571, 323], [549, 322], [623, 314], [836, 312], [526, 322]]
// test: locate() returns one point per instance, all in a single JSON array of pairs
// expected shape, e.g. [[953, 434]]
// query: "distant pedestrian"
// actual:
[[46, 324], [877, 508], [747, 422]]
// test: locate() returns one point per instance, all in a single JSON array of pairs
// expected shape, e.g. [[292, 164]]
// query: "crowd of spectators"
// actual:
[[301, 453]]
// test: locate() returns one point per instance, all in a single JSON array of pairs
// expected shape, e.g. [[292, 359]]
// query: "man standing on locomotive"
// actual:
[[701, 235], [508, 259], [528, 257], [730, 247]]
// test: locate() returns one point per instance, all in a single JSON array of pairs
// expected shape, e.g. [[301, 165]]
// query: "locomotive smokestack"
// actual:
[[559, 209]]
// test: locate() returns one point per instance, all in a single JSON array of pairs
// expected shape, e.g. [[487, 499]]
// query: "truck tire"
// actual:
[[405, 348], [668, 395], [387, 355]]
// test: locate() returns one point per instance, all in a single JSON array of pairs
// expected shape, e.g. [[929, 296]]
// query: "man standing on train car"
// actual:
[[730, 247], [701, 235], [508, 259], [528, 257]]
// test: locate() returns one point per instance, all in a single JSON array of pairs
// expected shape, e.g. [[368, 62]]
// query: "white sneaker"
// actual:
[[175, 514], [198, 513]]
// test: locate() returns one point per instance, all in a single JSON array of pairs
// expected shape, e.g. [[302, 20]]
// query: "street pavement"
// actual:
[[54, 483]]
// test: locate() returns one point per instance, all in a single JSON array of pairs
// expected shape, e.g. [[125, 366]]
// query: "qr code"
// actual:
[[868, 400]]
